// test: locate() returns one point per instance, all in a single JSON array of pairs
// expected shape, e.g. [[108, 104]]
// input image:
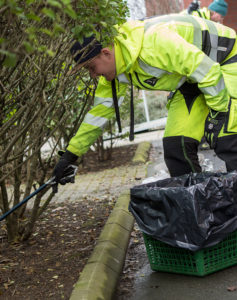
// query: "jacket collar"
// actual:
[[120, 63]]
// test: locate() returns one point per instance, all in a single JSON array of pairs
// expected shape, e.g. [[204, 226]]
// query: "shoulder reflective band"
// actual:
[[151, 70]]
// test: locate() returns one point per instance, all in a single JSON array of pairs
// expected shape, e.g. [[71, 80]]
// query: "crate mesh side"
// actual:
[[163, 257]]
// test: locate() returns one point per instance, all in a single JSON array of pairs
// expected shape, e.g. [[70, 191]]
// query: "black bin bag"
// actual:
[[193, 211]]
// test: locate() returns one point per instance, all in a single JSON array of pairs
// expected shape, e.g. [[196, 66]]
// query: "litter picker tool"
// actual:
[[70, 173]]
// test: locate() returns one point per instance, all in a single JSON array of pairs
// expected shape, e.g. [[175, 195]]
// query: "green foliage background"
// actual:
[[39, 101]]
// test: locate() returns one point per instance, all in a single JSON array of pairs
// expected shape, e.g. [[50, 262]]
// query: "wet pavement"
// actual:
[[150, 285]]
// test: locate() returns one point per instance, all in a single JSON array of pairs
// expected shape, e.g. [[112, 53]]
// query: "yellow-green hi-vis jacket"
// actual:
[[162, 53], [202, 13]]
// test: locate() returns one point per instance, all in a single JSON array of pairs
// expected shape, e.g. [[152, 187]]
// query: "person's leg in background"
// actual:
[[183, 133], [226, 148]]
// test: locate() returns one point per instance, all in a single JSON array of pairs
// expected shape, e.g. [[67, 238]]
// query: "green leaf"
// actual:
[[16, 9], [104, 24], [2, 40], [58, 28], [29, 48], [49, 13], [46, 31], [113, 4], [77, 30], [71, 13], [32, 16], [50, 53], [42, 48], [55, 3], [104, 3], [28, 2], [10, 60], [97, 35], [66, 2]]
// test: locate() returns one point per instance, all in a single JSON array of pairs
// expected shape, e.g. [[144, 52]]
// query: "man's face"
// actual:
[[103, 65], [217, 17]]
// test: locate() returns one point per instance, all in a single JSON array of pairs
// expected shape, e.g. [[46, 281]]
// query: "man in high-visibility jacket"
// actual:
[[216, 11], [192, 56]]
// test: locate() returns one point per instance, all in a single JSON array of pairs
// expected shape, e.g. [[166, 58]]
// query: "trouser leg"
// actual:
[[226, 150], [183, 132], [180, 154]]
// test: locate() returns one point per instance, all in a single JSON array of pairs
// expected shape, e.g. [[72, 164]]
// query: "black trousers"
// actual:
[[180, 154], [227, 150]]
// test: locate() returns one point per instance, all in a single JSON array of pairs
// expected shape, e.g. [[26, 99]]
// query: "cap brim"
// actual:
[[77, 68]]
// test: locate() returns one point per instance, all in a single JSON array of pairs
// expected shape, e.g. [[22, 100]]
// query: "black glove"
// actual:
[[193, 6], [213, 125], [63, 169]]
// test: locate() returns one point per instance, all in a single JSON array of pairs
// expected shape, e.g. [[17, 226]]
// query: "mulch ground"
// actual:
[[49, 263]]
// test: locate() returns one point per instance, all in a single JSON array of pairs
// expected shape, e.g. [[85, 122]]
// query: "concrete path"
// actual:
[[110, 182]]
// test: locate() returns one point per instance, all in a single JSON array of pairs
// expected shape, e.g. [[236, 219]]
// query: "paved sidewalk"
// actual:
[[110, 182]]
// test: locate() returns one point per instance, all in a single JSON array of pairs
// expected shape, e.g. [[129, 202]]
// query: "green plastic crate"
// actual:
[[165, 258]]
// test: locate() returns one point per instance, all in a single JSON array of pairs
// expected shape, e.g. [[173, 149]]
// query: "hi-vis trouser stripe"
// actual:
[[106, 106], [95, 121]]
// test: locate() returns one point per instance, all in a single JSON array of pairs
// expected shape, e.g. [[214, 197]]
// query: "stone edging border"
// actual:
[[99, 278]]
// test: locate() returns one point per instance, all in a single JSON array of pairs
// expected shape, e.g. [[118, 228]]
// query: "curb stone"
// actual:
[[142, 152], [98, 279]]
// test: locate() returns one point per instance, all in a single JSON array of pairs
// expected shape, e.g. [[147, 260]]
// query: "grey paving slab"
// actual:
[[94, 185]]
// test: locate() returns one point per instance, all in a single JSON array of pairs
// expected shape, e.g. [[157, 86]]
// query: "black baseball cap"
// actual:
[[81, 57]]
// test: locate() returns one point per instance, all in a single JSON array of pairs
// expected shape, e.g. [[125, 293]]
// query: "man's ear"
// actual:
[[106, 51]]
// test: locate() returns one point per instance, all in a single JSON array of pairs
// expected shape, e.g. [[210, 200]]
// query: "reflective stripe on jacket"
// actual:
[[161, 53], [202, 13]]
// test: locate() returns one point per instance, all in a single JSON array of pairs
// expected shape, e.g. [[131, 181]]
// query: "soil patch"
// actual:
[[49, 263], [120, 156]]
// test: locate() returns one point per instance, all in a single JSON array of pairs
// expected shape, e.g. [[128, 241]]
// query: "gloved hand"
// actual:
[[193, 6], [214, 122], [62, 169]]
